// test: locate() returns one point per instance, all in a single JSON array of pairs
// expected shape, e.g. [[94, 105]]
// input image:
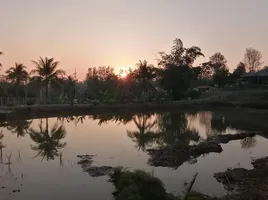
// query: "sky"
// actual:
[[119, 33]]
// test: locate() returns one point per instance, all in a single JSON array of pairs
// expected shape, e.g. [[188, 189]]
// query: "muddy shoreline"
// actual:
[[174, 156]]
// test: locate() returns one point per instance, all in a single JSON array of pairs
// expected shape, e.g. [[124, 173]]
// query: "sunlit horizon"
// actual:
[[119, 33]]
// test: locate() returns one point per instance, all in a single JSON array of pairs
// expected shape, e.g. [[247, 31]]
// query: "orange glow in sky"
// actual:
[[91, 33]]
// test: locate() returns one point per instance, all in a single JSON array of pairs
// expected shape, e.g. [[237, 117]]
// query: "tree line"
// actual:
[[172, 79]]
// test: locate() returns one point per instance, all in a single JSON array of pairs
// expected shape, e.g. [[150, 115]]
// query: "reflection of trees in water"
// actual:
[[164, 129], [218, 123], [105, 118], [214, 124], [74, 119], [248, 142], [174, 129], [146, 134], [20, 127], [1, 147], [48, 143]]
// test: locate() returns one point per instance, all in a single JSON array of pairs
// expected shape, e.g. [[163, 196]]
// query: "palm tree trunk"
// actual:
[[46, 125], [1, 155], [46, 90]]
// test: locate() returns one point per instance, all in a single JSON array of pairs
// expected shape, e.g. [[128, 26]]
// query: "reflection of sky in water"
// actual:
[[112, 145]]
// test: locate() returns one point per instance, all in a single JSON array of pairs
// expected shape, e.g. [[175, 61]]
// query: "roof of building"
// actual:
[[262, 72]]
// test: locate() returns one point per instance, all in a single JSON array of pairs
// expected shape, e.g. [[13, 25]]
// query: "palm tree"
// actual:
[[48, 143], [17, 75], [19, 126], [46, 70], [144, 75]]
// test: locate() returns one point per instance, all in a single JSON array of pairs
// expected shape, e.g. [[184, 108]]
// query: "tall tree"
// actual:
[[176, 80], [206, 70], [177, 64], [220, 76], [101, 81], [179, 55], [252, 59], [239, 70], [217, 60], [17, 75], [46, 70], [144, 75]]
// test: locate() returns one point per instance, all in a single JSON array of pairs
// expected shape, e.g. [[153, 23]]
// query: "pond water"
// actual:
[[44, 166]]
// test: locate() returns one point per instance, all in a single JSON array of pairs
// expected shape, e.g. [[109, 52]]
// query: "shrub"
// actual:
[[137, 185]]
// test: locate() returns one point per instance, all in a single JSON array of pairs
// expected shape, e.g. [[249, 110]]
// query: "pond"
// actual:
[[39, 156]]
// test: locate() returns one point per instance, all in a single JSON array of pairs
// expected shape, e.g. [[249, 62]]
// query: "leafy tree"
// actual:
[[177, 73], [46, 70], [101, 81], [206, 70], [220, 76], [176, 80], [48, 142], [196, 72], [217, 60], [179, 55], [17, 75], [252, 59], [239, 70]]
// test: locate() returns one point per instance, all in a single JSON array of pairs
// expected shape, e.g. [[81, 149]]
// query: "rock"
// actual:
[[228, 137], [174, 156], [95, 171], [86, 160]]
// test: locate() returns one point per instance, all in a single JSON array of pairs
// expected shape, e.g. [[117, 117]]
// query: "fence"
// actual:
[[12, 101]]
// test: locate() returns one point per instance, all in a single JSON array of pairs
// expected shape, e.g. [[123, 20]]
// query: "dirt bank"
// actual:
[[174, 156]]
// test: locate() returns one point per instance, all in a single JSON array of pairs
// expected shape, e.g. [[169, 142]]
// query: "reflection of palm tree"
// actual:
[[248, 142], [48, 144], [104, 119], [75, 119], [1, 146], [145, 136], [19, 126]]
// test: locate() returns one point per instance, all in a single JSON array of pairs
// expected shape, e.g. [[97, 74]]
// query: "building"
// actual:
[[257, 78]]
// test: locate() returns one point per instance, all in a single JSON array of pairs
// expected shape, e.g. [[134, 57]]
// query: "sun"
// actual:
[[123, 74]]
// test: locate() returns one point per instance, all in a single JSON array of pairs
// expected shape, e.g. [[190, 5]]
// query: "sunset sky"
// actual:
[[118, 33]]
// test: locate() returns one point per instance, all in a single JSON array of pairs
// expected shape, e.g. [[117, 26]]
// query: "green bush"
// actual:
[[137, 185]]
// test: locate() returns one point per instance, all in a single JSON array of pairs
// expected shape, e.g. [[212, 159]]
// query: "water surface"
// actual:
[[44, 165]]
